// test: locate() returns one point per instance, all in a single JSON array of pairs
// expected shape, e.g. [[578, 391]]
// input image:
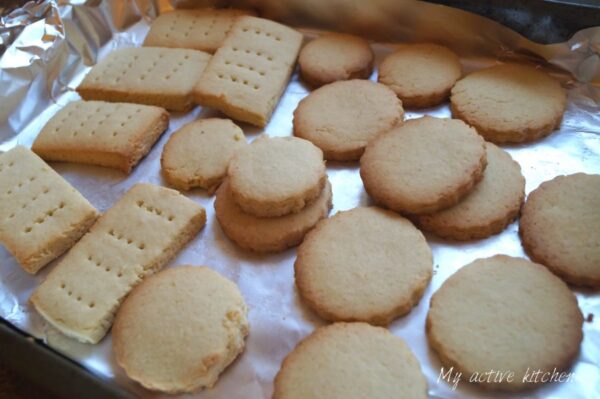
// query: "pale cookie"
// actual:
[[420, 74], [423, 166], [560, 227], [492, 205], [341, 118], [333, 57], [149, 75], [178, 330], [201, 29], [350, 361], [41, 214], [197, 155], [268, 234], [504, 315], [366, 264], [275, 176], [249, 72], [116, 135], [509, 103], [132, 240]]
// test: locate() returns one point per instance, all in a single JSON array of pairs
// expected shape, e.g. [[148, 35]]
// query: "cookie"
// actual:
[[333, 57], [560, 227], [420, 74], [41, 214], [507, 315], [366, 264], [423, 166], [350, 361], [132, 240], [341, 123], [178, 330], [509, 103], [115, 135], [201, 29], [275, 176], [249, 72], [268, 234], [197, 155], [492, 205], [163, 77]]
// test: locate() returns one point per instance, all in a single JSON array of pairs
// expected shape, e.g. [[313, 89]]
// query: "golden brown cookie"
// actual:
[[509, 103], [198, 154], [180, 329], [268, 234], [350, 361], [423, 166], [560, 227], [506, 315], [275, 176], [421, 74], [366, 264], [333, 57], [492, 205], [342, 117]]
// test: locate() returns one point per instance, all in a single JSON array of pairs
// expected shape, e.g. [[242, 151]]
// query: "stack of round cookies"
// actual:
[[276, 190]]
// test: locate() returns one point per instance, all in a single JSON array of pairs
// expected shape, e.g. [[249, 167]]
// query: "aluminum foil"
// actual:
[[48, 48]]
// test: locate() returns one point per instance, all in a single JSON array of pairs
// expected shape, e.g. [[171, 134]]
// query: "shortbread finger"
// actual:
[[133, 239], [201, 29], [41, 215], [248, 74], [116, 135], [149, 75]]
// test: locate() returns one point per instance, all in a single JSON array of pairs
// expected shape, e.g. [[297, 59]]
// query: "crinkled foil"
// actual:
[[48, 48]]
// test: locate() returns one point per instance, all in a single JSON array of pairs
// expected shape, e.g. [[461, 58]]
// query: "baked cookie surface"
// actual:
[[424, 165], [492, 205], [275, 176], [268, 234], [341, 118], [180, 329], [560, 227], [505, 314], [197, 155], [509, 103], [333, 57], [366, 264], [351, 361], [420, 74]]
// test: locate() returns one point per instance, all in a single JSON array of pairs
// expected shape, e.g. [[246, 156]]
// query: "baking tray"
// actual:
[[49, 48]]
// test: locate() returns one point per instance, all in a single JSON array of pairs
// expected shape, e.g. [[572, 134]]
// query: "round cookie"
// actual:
[[178, 330], [197, 155], [268, 234], [560, 227], [333, 57], [421, 74], [341, 118], [509, 103], [367, 264], [350, 361], [504, 314], [423, 166], [274, 176], [492, 205]]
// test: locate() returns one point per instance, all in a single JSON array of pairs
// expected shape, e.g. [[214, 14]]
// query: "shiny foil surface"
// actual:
[[48, 48]]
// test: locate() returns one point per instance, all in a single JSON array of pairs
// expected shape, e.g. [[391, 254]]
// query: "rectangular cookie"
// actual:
[[116, 135], [149, 75], [133, 239], [41, 214], [201, 29], [249, 72]]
